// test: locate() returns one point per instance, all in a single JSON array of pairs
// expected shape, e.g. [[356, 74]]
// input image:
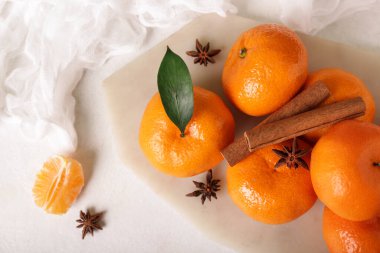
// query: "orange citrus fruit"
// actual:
[[342, 85], [344, 236], [345, 170], [210, 129], [265, 68], [58, 184], [270, 195]]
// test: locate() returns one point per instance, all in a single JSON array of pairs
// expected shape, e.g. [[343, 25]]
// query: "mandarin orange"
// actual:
[[58, 184], [342, 85], [265, 68], [345, 169], [210, 129], [344, 236], [270, 195]]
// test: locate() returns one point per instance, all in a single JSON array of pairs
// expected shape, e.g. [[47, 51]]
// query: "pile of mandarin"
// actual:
[[266, 67]]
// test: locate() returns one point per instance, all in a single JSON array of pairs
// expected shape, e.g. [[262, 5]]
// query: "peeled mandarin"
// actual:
[[58, 184]]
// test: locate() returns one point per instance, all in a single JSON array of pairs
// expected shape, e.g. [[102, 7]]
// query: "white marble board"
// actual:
[[128, 91]]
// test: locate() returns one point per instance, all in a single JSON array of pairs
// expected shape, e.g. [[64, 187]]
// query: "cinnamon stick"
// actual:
[[303, 123], [304, 101]]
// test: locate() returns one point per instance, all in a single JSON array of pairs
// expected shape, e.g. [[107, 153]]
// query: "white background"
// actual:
[[136, 220]]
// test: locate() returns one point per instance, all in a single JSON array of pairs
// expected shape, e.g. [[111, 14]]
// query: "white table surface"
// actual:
[[136, 220]]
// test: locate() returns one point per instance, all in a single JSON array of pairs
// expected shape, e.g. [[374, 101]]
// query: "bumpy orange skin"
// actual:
[[343, 172], [271, 73], [342, 85], [268, 195], [210, 129], [344, 236], [58, 184]]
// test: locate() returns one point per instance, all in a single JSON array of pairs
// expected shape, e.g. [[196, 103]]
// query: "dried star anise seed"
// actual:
[[89, 223], [203, 55], [291, 157], [207, 190]]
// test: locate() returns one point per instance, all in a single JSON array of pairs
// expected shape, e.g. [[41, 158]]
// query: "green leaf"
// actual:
[[176, 89]]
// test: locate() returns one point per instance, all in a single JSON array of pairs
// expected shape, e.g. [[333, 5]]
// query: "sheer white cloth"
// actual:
[[46, 46], [310, 16]]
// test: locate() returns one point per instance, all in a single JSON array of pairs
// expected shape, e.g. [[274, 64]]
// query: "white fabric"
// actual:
[[312, 16], [47, 45]]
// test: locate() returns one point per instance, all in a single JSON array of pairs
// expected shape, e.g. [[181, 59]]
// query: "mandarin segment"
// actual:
[[344, 236], [343, 169], [58, 184], [210, 129], [265, 68], [342, 85], [270, 195]]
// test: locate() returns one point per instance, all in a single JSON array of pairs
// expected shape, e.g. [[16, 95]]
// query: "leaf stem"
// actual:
[[183, 135], [376, 164]]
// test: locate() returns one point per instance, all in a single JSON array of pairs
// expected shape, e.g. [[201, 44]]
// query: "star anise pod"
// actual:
[[291, 157], [207, 190], [89, 222], [203, 54]]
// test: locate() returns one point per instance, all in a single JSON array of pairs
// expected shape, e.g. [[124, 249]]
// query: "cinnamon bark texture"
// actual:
[[281, 130], [304, 101]]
